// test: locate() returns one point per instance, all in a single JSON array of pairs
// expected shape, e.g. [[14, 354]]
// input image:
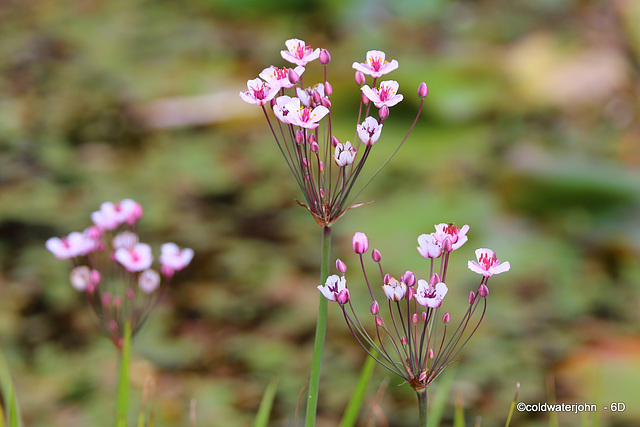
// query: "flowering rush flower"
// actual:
[[413, 339], [300, 120], [114, 269]]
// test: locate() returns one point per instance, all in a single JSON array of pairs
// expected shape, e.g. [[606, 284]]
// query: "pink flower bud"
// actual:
[[325, 57], [343, 296], [94, 232], [293, 76], [325, 102], [431, 354], [375, 308], [299, 136], [404, 341], [379, 321], [311, 139], [383, 112], [334, 141], [106, 299], [447, 245], [424, 316], [423, 376], [360, 79], [322, 193], [376, 255], [328, 89], [472, 297], [117, 302], [341, 266], [414, 318], [314, 147], [411, 292], [321, 166], [386, 279], [129, 294], [446, 318], [113, 325], [423, 90], [316, 96], [435, 279], [483, 291], [408, 278], [365, 100], [360, 243], [272, 103]]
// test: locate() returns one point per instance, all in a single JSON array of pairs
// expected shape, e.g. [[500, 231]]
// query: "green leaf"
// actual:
[[352, 411], [262, 417]]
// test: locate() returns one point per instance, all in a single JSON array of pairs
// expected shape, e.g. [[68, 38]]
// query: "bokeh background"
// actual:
[[530, 135]]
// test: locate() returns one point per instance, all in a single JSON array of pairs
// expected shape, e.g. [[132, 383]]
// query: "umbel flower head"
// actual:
[[300, 120], [115, 270], [414, 340]]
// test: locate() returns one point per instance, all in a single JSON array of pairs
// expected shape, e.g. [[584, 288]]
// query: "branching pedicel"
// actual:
[[414, 341], [113, 268], [325, 182]]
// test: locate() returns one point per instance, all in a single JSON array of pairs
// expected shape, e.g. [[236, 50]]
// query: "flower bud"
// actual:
[[343, 296], [447, 245], [325, 102], [483, 291], [106, 299], [94, 232], [129, 294], [386, 279], [325, 57], [293, 76], [435, 279], [316, 96], [414, 318], [379, 321], [404, 341], [80, 278], [312, 138], [411, 292], [360, 79], [383, 112], [314, 147], [117, 301], [408, 278], [423, 90], [376, 255], [322, 193], [375, 308], [424, 316], [299, 136], [446, 318], [360, 243], [328, 89], [472, 297], [431, 354], [341, 266], [365, 100], [321, 166], [334, 141]]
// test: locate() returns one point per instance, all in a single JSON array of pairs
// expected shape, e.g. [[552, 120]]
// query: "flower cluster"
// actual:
[[114, 269], [415, 341], [325, 168]]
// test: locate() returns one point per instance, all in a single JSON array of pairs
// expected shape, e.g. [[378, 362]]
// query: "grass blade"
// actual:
[[440, 397], [264, 411], [458, 415], [8, 392], [122, 399], [513, 405], [354, 406]]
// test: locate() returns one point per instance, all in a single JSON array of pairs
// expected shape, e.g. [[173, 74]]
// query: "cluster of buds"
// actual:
[[113, 268], [324, 167], [415, 341]]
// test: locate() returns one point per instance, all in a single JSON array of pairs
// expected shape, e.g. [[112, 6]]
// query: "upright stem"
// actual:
[[422, 403], [321, 328], [123, 377]]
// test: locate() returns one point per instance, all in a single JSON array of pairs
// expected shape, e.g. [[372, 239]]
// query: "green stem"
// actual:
[[321, 328], [122, 399], [422, 404]]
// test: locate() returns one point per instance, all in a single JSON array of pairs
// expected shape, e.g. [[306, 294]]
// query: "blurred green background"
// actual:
[[530, 135]]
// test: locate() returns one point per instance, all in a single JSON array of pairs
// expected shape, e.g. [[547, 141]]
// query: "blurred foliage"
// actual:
[[530, 136]]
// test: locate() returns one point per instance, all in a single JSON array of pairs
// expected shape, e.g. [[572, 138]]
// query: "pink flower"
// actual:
[[333, 287], [259, 92], [360, 243], [375, 64], [279, 77], [112, 215], [125, 239], [298, 52], [429, 246], [312, 96], [394, 290], [71, 246], [487, 263], [148, 281], [136, 258], [387, 94], [369, 131], [457, 236], [345, 154], [173, 258], [303, 116], [281, 109], [83, 278], [429, 295]]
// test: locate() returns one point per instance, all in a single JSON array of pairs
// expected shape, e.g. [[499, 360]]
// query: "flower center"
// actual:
[[375, 63], [487, 261], [300, 51]]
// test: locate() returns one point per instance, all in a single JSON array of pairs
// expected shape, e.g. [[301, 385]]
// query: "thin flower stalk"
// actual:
[[414, 340]]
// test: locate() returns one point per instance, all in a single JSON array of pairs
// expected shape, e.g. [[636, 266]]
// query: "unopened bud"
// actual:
[[431, 353], [379, 321], [446, 318], [311, 139], [483, 291], [293, 76], [325, 102], [408, 278], [343, 296], [414, 318], [383, 112], [334, 141], [365, 100], [472, 297], [106, 299], [424, 316], [404, 341], [375, 308], [117, 302], [360, 79], [411, 292], [328, 89], [434, 279], [322, 193], [321, 165], [360, 243], [325, 57], [386, 279], [376, 255], [423, 90], [129, 294], [299, 136], [316, 96], [314, 147], [447, 245]]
